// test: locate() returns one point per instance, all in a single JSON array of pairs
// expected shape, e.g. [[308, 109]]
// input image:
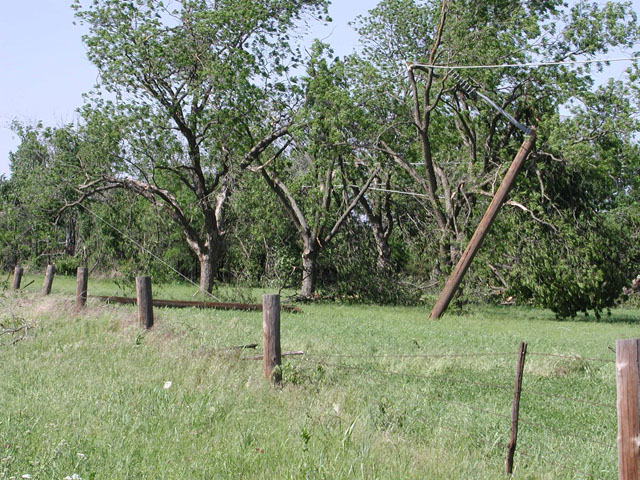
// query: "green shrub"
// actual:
[[67, 265], [573, 269]]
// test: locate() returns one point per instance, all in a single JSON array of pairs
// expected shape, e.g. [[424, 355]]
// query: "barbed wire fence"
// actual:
[[559, 418], [455, 399]]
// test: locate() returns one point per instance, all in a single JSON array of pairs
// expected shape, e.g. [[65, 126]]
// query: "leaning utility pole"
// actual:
[[489, 216]]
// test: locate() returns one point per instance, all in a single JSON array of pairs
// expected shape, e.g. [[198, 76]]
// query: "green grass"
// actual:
[[84, 392]]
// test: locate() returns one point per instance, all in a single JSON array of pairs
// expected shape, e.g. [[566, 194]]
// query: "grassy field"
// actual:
[[382, 393]]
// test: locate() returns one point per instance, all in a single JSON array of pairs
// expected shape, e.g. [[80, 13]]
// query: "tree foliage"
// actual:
[[363, 177], [192, 82]]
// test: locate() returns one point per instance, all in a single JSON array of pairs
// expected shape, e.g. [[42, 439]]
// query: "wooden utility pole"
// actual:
[[628, 386], [489, 216], [145, 302], [17, 278], [48, 279], [271, 337]]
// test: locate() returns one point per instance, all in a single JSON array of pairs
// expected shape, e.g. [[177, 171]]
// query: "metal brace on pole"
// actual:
[[473, 93]]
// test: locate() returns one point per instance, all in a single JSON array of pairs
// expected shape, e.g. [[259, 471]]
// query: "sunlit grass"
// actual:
[[376, 395]]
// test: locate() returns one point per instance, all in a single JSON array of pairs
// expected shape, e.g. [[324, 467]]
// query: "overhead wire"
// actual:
[[522, 65], [377, 189]]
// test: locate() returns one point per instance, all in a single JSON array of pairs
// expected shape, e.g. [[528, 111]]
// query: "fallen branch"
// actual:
[[22, 328], [194, 304]]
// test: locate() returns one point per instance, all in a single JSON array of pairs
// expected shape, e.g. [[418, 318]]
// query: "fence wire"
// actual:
[[373, 369], [380, 373], [565, 467], [572, 357], [365, 369], [569, 399], [435, 355]]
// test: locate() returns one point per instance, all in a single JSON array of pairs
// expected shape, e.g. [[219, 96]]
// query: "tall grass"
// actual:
[[381, 392]]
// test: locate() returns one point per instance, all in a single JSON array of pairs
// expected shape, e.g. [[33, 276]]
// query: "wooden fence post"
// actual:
[[628, 405], [145, 302], [17, 278], [48, 279], [515, 409], [271, 337], [82, 279]]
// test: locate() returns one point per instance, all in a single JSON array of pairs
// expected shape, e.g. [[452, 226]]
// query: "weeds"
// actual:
[[13, 328], [179, 406]]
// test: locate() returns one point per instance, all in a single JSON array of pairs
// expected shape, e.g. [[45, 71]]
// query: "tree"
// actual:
[[42, 173], [584, 184], [462, 144], [312, 179], [192, 85], [262, 248]]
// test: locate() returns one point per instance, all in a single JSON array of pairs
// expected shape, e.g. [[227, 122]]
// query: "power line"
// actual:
[[144, 249], [411, 194], [376, 189], [411, 65]]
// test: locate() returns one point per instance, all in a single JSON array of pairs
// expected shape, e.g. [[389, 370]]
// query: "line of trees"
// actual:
[[216, 144]]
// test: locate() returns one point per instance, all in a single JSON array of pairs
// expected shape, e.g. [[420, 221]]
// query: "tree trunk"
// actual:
[[383, 249], [210, 261], [309, 257], [70, 238], [207, 273]]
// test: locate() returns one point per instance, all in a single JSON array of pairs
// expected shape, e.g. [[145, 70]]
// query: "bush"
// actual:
[[573, 269], [67, 265], [347, 271]]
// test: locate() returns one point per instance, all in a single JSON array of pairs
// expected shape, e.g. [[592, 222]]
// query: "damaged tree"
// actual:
[[192, 83], [319, 165], [455, 150]]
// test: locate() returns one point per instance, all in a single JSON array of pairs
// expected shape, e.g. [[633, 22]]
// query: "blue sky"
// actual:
[[44, 70]]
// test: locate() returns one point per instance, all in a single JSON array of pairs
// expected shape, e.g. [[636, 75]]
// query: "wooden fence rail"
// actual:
[[195, 304]]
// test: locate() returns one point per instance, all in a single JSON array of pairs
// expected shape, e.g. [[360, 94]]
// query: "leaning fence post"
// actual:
[[82, 279], [628, 406], [48, 279], [17, 278], [515, 409], [271, 337], [145, 302]]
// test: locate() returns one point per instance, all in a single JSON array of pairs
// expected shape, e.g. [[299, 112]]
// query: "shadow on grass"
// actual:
[[615, 316]]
